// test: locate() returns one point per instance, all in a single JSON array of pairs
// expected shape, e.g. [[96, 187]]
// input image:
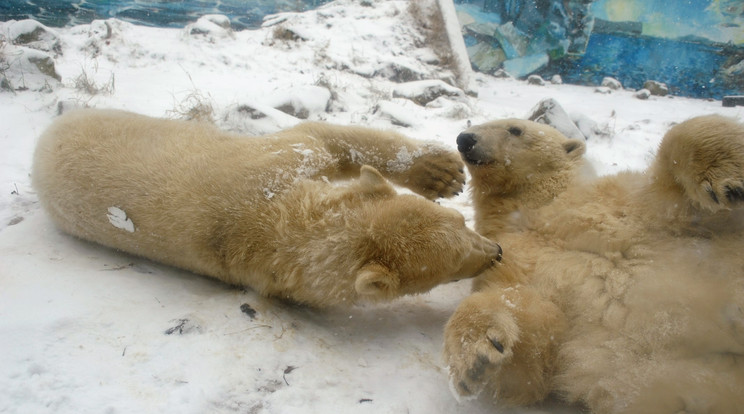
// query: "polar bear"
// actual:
[[623, 294], [262, 211]]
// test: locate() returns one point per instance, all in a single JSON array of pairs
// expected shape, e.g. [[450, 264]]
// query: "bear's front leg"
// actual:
[[704, 158], [504, 339], [425, 168]]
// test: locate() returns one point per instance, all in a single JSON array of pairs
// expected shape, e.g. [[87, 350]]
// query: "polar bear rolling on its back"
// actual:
[[261, 211], [624, 293]]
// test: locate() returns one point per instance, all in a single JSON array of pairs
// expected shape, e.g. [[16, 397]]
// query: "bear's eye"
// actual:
[[516, 131]]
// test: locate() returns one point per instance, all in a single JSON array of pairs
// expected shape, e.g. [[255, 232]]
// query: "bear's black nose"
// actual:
[[465, 142]]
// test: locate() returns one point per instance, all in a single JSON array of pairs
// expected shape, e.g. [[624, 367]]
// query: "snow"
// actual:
[[87, 329], [118, 218]]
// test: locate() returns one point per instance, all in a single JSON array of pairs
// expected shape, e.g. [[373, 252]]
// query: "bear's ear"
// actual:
[[375, 281], [574, 148], [373, 182]]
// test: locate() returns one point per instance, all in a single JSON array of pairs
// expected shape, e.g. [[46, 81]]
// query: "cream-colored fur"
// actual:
[[261, 211], [625, 293]]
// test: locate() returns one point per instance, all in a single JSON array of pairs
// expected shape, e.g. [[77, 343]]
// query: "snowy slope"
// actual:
[[84, 329]]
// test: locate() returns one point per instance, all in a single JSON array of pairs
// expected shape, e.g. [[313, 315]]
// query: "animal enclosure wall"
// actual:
[[696, 46]]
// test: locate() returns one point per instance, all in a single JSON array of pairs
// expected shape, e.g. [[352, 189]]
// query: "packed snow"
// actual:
[[85, 329]]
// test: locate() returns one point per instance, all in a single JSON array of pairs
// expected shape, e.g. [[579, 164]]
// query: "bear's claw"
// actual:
[[496, 344], [734, 194]]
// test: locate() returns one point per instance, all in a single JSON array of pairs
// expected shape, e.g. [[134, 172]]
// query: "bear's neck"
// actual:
[[500, 208]]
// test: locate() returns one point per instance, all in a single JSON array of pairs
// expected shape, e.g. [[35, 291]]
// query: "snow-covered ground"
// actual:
[[84, 329]]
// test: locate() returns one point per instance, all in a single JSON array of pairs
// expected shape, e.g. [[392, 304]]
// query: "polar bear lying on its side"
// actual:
[[626, 293], [261, 211]]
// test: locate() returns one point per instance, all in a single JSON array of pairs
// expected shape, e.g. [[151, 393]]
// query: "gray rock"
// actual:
[[256, 119], [535, 80], [425, 91], [29, 69], [656, 88], [733, 100], [549, 112], [34, 35], [302, 101], [399, 73], [612, 83], [212, 27], [588, 127], [643, 94], [502, 74]]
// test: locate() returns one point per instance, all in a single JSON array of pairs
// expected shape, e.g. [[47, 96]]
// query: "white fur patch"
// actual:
[[118, 218]]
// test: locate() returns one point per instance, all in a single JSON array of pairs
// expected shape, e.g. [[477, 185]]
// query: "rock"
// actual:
[[425, 91], [643, 94], [556, 80], [501, 74], [611, 83], [107, 35], [256, 119], [301, 102], [549, 112], [656, 88], [218, 19], [535, 80], [735, 100], [603, 90], [395, 113], [444, 107], [29, 69], [212, 27], [69, 105], [398, 73], [34, 35], [588, 127]]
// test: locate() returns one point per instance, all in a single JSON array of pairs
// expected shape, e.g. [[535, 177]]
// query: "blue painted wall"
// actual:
[[160, 13], [695, 46]]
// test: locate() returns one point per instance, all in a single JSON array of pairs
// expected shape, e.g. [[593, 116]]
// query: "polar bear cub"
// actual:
[[262, 211], [624, 294]]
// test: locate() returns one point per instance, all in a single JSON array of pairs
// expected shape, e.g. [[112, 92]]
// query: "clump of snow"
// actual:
[[118, 218], [68, 308]]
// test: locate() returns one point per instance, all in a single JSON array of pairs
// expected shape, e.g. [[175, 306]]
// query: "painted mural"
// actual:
[[159, 13], [696, 47]]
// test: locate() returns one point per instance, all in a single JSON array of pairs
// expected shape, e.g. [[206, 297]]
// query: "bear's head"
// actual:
[[409, 245], [513, 156]]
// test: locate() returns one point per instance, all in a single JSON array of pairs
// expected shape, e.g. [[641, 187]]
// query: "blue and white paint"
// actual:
[[695, 46]]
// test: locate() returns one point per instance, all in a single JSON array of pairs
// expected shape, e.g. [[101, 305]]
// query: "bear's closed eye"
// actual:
[[515, 131]]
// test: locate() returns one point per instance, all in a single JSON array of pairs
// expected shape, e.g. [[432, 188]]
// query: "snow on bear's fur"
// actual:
[[262, 211], [623, 293]]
